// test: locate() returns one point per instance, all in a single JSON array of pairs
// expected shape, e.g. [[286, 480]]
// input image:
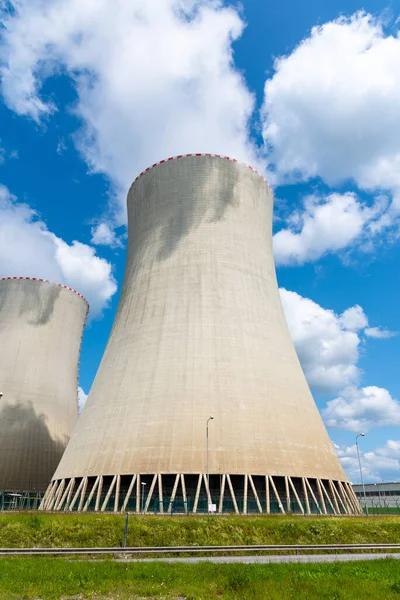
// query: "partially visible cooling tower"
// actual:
[[200, 332], [41, 325]]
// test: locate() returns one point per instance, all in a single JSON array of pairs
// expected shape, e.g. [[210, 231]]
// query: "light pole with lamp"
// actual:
[[143, 486], [362, 478], [208, 474]]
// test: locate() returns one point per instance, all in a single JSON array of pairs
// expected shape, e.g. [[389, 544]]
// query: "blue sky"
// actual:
[[308, 93]]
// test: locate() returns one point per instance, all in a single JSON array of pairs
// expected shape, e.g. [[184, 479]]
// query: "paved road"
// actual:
[[301, 558]]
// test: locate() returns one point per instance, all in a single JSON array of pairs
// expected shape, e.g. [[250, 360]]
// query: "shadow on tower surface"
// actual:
[[28, 453]]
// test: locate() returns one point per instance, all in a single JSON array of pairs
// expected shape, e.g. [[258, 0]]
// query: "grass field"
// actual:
[[79, 530], [55, 579]]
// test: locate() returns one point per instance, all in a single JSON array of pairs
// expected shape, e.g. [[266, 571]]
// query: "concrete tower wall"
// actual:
[[199, 331], [41, 327]]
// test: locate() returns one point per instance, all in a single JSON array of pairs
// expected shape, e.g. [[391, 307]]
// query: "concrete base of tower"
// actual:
[[201, 493]]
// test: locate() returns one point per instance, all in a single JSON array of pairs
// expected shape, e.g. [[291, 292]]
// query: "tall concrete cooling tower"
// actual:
[[41, 325], [200, 402]]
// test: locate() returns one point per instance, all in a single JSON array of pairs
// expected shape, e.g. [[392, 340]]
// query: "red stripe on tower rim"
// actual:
[[198, 154], [38, 280]]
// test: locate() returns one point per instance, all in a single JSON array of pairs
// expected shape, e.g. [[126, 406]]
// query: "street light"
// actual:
[[362, 478], [208, 475], [143, 484]]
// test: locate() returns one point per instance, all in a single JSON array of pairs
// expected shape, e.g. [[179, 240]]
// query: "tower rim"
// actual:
[[197, 155], [40, 280]]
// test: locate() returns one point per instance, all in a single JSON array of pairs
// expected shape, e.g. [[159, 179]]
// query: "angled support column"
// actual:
[[75, 498], [342, 494], [288, 507], [83, 492], [138, 493], [128, 493], [46, 494], [185, 501], [354, 498], [232, 494], [116, 499], [342, 501], [327, 496], [321, 496], [196, 498], [253, 487], [58, 495], [63, 497], [110, 489], [332, 489], [171, 501], [245, 494], [296, 495], [160, 494], [221, 495], [91, 494], [306, 495], [71, 491], [207, 490], [150, 494], [50, 496], [99, 490], [276, 495]]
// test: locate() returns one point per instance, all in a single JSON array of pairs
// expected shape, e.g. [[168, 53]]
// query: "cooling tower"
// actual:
[[41, 325], [200, 403]]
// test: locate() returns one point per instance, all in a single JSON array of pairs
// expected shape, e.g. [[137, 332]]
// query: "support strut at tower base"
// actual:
[[190, 494]]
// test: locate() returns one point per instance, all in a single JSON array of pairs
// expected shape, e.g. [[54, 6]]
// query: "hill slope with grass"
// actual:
[[85, 530]]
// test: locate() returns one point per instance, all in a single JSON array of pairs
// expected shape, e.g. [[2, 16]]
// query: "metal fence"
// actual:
[[20, 500]]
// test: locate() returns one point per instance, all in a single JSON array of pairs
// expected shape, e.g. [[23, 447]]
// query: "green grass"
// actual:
[[51, 579], [80, 530]]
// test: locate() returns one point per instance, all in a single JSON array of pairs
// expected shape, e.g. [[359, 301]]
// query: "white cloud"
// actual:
[[82, 397], [61, 146], [380, 334], [103, 235], [327, 345], [332, 107], [361, 409], [153, 79], [327, 350], [381, 463], [29, 249], [354, 318], [325, 225]]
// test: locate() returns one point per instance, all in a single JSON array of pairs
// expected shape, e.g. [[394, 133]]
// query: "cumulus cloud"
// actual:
[[103, 235], [331, 108], [153, 79], [325, 225], [29, 249], [379, 333], [327, 345], [360, 409], [383, 462], [327, 349], [354, 318]]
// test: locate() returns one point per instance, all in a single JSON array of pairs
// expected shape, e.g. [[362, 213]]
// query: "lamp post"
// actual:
[[362, 478], [208, 474], [143, 485]]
